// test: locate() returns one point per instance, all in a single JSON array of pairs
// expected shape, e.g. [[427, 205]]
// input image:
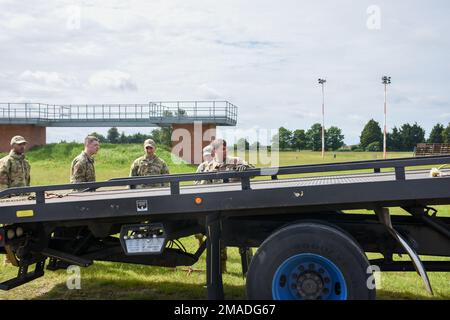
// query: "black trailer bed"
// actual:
[[73, 196], [79, 227], [345, 191]]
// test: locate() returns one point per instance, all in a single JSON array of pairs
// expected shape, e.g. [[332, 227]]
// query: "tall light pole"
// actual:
[[322, 82], [385, 80]]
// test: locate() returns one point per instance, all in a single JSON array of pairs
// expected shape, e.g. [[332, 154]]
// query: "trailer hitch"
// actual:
[[385, 218]]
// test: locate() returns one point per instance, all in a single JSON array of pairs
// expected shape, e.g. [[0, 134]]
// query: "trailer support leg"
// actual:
[[246, 257], [385, 218], [24, 276], [213, 268]]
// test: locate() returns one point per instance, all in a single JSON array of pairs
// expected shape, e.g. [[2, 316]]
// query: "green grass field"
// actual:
[[51, 165]]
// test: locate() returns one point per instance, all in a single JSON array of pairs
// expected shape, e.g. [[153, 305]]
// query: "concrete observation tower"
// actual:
[[192, 117]]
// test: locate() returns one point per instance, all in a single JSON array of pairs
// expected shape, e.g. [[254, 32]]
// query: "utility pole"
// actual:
[[322, 82], [385, 80]]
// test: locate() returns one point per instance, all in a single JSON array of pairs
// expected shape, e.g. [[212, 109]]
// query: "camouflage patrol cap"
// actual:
[[18, 140], [149, 142]]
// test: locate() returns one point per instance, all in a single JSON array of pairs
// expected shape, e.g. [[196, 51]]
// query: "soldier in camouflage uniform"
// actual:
[[14, 168], [208, 156], [149, 164], [223, 162], [83, 169]]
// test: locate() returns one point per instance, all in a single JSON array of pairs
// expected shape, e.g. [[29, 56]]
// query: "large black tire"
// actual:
[[314, 239]]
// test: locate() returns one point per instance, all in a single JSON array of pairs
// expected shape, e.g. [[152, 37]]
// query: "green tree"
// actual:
[[411, 136], [374, 147], [446, 134], [285, 136], [113, 135], [138, 138], [255, 145], [123, 138], [275, 142], [299, 139], [163, 136], [180, 113], [394, 140], [242, 143], [101, 138], [436, 134], [371, 133], [334, 139], [314, 137]]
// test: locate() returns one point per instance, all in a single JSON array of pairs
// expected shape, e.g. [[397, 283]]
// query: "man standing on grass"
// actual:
[[14, 168], [223, 162], [148, 165], [82, 169], [208, 156]]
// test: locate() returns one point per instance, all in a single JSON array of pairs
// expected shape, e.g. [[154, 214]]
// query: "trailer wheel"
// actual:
[[309, 261]]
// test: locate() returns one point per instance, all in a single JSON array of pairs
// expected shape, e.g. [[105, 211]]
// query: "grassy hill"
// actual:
[[51, 165]]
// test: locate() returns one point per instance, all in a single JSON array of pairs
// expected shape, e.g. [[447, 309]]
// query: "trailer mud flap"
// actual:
[[385, 218]]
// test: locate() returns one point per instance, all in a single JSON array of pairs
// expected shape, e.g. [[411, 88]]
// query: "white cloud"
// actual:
[[302, 114], [264, 57], [355, 117], [439, 101], [17, 21], [89, 49], [445, 116], [113, 80], [47, 78], [206, 92]]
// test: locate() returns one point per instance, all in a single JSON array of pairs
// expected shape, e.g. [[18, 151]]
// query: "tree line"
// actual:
[[403, 138], [310, 139], [162, 136]]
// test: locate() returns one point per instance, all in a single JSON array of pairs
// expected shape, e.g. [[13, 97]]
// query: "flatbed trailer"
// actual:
[[308, 247]]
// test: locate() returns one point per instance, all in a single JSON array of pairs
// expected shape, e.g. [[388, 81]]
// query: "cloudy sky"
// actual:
[[263, 56]]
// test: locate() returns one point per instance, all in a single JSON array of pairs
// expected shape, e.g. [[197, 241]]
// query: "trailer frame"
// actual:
[[236, 214]]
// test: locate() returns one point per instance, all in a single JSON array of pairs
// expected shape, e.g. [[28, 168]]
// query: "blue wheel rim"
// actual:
[[308, 276]]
